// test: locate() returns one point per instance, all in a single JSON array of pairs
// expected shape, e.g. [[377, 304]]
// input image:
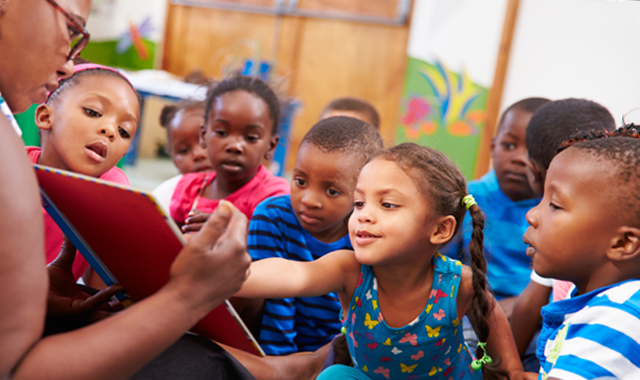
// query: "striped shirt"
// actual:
[[595, 335], [292, 324]]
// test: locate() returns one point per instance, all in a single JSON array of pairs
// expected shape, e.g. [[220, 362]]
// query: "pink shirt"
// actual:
[[53, 234], [262, 186]]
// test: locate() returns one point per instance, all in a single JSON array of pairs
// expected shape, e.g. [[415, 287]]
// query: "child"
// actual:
[[408, 202], [352, 107], [240, 131], [505, 196], [86, 127], [309, 224], [182, 122], [550, 125], [586, 230]]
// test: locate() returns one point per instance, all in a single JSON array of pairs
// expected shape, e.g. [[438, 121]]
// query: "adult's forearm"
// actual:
[[119, 346]]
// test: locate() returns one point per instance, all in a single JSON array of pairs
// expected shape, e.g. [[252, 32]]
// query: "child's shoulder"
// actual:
[[624, 296], [277, 205]]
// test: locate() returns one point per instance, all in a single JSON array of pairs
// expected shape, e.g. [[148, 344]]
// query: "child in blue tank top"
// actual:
[[402, 302]]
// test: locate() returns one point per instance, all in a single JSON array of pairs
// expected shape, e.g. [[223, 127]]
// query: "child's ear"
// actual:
[[273, 144], [492, 147], [625, 245], [201, 140], [445, 228], [44, 116]]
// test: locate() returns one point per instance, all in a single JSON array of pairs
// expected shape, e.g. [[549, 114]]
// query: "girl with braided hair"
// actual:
[[402, 302]]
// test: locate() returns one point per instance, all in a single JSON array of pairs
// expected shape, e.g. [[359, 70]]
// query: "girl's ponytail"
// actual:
[[481, 304]]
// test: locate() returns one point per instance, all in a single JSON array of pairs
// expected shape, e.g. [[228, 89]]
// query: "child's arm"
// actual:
[[500, 340], [279, 278], [526, 314]]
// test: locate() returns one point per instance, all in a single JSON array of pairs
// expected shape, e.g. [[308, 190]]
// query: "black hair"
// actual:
[[73, 80], [355, 105], [170, 111], [443, 185], [621, 148], [345, 134], [556, 121], [528, 105], [250, 84]]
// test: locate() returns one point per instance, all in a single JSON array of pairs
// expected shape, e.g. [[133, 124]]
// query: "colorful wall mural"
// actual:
[[444, 110]]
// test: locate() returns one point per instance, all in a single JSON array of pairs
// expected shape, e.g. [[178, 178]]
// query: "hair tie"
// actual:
[[469, 201], [485, 359]]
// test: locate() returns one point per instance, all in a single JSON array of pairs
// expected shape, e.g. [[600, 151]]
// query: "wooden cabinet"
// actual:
[[317, 46]]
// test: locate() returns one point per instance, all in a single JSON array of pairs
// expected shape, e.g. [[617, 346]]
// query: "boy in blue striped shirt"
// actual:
[[586, 230], [308, 224]]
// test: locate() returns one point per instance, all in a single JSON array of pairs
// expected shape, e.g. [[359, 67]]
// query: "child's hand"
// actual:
[[195, 221], [215, 263], [65, 299]]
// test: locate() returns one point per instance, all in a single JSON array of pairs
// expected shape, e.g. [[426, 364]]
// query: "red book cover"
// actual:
[[128, 239]]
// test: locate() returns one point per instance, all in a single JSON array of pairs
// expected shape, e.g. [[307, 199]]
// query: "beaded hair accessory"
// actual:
[[484, 360], [469, 201]]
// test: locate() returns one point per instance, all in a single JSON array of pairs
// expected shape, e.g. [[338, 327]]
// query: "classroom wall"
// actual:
[[316, 59], [576, 48]]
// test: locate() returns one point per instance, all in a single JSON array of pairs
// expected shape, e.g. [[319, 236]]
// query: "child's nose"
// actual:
[[520, 156], [531, 216], [310, 200], [109, 131], [199, 153], [235, 145], [364, 215]]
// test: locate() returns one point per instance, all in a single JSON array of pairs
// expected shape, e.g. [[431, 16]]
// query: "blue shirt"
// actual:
[[595, 335], [292, 324], [508, 266], [430, 347]]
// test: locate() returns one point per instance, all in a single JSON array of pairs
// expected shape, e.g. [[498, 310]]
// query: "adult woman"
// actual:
[[38, 39]]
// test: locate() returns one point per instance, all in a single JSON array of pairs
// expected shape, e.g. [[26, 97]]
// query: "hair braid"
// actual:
[[481, 305]]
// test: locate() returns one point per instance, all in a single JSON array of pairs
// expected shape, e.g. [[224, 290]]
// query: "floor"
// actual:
[[148, 173]]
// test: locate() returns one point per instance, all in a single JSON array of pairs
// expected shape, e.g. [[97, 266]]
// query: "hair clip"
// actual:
[[484, 360], [469, 201]]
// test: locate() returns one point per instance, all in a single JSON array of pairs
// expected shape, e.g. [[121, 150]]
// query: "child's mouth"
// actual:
[[232, 166], [97, 151], [364, 238]]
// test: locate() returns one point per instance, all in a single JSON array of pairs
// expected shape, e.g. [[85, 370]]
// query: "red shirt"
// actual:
[[53, 234], [262, 186]]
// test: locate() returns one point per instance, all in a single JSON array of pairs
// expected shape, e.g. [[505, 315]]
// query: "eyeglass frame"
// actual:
[[82, 42]]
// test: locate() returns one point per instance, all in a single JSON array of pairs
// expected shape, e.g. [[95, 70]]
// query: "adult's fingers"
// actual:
[[194, 227], [215, 226], [100, 298]]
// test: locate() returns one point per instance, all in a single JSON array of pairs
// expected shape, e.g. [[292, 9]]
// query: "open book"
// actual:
[[127, 238]]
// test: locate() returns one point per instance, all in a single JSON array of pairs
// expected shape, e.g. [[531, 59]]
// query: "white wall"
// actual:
[[577, 48], [462, 34]]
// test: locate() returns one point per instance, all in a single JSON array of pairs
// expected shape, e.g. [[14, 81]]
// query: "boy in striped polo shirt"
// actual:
[[586, 230], [308, 224]]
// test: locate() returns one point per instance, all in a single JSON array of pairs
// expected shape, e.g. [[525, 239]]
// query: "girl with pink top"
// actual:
[[86, 126], [239, 133]]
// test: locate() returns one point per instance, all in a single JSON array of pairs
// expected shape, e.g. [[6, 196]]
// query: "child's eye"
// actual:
[[91, 113], [123, 133], [252, 138], [182, 151], [333, 193], [358, 204], [508, 146], [220, 132], [554, 207], [300, 182], [388, 205]]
